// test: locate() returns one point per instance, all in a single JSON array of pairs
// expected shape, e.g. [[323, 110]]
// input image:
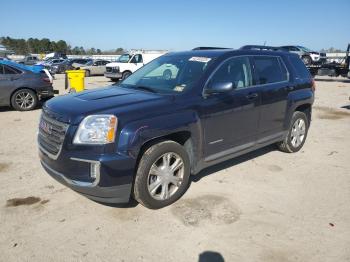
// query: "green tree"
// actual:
[[119, 50]]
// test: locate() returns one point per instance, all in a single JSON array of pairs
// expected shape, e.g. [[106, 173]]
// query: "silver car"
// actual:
[[97, 67], [308, 56]]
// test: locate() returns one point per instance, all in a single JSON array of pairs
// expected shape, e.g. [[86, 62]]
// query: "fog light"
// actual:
[[94, 170]]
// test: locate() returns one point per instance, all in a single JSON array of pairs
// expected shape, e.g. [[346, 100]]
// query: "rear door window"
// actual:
[[299, 67], [270, 69]]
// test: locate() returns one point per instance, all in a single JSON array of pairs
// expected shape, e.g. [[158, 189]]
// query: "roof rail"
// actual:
[[262, 47], [209, 48]]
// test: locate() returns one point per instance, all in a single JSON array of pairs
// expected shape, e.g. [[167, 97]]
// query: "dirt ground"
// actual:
[[264, 206]]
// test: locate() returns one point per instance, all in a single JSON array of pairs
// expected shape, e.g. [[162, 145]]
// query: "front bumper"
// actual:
[[113, 181], [113, 75]]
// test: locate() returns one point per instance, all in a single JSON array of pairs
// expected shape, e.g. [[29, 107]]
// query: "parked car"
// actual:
[[97, 67], [129, 63], [77, 63], [23, 86], [144, 136], [29, 60], [68, 64], [56, 55], [49, 62], [308, 56]]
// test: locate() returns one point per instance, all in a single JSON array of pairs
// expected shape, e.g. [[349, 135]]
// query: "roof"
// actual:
[[221, 52], [34, 69]]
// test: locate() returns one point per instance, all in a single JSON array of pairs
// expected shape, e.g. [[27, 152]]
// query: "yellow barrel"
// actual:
[[76, 80]]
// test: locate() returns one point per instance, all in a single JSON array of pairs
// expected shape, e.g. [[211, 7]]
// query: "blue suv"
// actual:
[[175, 116]]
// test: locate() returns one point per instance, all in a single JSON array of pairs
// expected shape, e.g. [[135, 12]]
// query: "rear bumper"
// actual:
[[47, 93]]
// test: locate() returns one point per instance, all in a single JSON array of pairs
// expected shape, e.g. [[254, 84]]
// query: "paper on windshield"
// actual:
[[201, 59]]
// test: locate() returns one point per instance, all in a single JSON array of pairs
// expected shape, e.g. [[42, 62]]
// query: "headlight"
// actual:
[[96, 130]]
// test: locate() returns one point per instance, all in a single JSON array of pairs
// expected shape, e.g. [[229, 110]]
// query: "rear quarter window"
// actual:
[[9, 70], [270, 69], [299, 67]]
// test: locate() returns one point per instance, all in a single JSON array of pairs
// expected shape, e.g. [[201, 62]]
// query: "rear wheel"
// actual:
[[307, 60], [162, 175], [24, 100], [297, 133]]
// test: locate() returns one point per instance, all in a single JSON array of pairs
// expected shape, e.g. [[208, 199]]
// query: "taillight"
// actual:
[[313, 85], [46, 79]]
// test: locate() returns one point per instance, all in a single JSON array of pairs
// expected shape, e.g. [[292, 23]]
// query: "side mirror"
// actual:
[[219, 88]]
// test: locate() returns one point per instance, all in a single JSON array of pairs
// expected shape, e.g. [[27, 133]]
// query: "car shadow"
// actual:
[[332, 80], [205, 172], [210, 256], [232, 162], [131, 204], [10, 109], [346, 107]]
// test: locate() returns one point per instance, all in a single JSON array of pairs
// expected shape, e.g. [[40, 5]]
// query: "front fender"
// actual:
[[134, 135], [296, 99]]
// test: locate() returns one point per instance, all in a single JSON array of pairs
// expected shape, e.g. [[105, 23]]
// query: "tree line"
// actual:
[[42, 46]]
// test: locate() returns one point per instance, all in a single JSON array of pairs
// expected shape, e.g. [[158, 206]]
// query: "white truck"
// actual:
[[128, 63]]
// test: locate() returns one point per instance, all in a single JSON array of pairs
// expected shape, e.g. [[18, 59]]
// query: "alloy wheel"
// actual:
[[24, 100], [298, 132], [165, 176]]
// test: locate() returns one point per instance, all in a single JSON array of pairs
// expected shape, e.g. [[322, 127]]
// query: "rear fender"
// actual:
[[296, 99]]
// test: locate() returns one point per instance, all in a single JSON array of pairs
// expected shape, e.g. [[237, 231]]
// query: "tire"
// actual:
[[167, 74], [307, 60], [157, 191], [291, 143], [115, 79], [24, 100], [87, 73], [126, 75]]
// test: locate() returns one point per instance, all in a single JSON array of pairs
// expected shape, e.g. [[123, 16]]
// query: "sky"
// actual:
[[179, 24]]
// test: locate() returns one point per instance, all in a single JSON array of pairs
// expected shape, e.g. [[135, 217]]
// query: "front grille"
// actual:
[[109, 69], [51, 135]]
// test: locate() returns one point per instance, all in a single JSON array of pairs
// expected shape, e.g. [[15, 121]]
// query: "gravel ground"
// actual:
[[263, 206]]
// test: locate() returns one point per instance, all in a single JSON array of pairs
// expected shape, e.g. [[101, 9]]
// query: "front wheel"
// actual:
[[297, 133], [125, 75], [24, 100], [162, 175]]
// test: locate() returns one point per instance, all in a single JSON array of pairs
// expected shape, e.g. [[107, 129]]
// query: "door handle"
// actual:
[[252, 96]]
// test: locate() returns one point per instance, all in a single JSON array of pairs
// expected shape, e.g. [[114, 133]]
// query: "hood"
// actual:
[[72, 108]]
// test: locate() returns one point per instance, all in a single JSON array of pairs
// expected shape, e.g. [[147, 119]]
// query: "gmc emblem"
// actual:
[[46, 127]]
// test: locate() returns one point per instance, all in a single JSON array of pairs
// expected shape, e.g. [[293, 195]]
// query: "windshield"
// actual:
[[305, 49], [124, 58], [169, 74]]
